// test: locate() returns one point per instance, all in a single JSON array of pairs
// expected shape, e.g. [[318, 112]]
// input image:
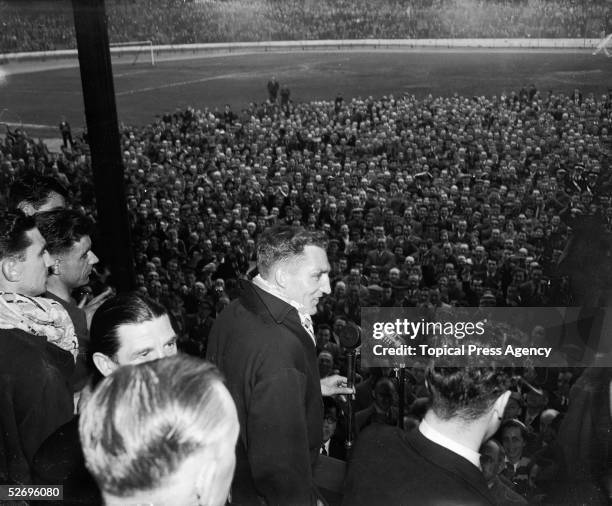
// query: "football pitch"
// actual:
[[37, 95]]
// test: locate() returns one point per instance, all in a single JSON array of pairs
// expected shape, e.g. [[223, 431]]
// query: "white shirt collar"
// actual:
[[437, 437], [268, 287]]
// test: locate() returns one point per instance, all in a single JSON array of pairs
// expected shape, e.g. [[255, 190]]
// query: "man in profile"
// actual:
[[439, 463], [68, 236], [36, 341], [264, 344], [161, 432]]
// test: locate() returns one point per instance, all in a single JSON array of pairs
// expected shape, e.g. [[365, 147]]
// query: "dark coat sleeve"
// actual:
[[272, 375], [278, 441], [34, 401]]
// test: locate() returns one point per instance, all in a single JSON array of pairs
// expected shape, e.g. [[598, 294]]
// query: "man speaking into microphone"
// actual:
[[264, 344]]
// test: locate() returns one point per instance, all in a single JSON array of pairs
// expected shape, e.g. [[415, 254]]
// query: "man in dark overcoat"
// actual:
[[264, 344]]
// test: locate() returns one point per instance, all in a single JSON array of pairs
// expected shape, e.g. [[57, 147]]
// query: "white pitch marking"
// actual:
[[182, 83]]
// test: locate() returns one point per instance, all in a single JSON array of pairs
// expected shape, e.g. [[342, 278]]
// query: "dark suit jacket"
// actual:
[[384, 259], [392, 467], [585, 436], [270, 364], [504, 495], [35, 399], [337, 448]]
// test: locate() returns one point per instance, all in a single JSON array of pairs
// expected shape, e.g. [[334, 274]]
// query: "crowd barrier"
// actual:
[[313, 45]]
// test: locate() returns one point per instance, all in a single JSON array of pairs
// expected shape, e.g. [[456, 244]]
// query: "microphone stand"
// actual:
[[349, 340], [350, 415], [401, 388]]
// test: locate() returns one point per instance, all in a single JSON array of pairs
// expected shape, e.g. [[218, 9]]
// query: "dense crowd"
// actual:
[[38, 26], [445, 201], [460, 201]]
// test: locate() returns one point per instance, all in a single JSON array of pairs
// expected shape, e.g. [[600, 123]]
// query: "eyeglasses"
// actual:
[[330, 419]]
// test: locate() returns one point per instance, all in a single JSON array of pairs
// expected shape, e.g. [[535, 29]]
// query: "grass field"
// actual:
[[37, 96]]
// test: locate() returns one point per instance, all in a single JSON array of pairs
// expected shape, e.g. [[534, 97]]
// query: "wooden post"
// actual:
[[104, 140]]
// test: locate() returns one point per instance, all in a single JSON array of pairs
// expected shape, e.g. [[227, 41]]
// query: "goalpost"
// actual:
[[135, 48], [603, 46]]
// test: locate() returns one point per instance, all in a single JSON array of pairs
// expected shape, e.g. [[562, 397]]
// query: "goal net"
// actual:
[[133, 52]]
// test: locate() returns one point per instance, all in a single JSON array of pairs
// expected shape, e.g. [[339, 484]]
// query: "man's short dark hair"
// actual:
[[62, 228], [464, 392], [514, 423], [123, 309], [34, 189], [284, 242], [329, 404], [419, 407], [501, 453], [338, 318], [13, 228]]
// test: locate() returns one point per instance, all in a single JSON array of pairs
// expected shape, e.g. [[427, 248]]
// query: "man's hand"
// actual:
[[335, 385], [91, 306]]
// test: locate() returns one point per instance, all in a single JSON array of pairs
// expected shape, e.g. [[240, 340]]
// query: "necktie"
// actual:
[[307, 324], [323, 450]]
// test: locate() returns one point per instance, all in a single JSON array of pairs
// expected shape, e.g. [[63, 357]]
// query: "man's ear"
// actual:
[[496, 414], [280, 276], [500, 404], [55, 269], [205, 485], [11, 269], [214, 478], [27, 208], [104, 364]]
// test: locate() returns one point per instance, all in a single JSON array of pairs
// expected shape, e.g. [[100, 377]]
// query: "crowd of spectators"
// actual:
[[40, 26], [457, 200], [444, 201]]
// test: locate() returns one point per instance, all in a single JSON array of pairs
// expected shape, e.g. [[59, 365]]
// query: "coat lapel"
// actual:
[[270, 306]]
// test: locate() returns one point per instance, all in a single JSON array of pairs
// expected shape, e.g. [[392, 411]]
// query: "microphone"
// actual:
[[350, 336], [350, 339]]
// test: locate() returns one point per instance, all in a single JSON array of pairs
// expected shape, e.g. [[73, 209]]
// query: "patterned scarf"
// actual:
[[41, 317]]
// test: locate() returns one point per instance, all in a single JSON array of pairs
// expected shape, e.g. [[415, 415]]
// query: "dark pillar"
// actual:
[[103, 131]]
